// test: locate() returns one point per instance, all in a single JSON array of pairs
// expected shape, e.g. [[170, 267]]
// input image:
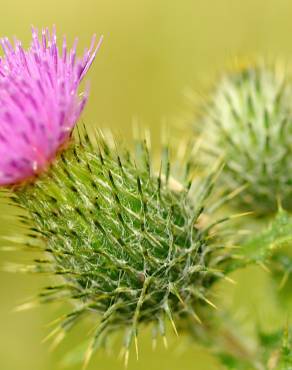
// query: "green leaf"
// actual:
[[260, 248]]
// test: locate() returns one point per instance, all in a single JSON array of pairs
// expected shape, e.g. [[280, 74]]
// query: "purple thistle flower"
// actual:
[[39, 102]]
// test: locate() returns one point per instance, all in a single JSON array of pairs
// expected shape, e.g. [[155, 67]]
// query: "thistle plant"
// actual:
[[247, 121], [128, 242], [128, 245]]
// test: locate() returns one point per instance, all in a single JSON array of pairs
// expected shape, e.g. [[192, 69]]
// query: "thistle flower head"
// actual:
[[248, 121], [39, 102]]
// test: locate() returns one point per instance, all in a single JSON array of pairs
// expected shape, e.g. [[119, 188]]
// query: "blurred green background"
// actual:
[[153, 52]]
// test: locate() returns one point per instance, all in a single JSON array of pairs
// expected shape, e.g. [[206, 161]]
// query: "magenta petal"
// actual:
[[39, 102]]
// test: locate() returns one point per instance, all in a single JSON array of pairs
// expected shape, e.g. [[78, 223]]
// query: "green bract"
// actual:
[[129, 244], [248, 122]]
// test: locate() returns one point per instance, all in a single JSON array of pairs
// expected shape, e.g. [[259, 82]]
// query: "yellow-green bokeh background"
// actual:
[[153, 51]]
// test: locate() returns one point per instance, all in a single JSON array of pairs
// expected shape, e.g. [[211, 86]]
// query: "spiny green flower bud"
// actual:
[[248, 122], [129, 244]]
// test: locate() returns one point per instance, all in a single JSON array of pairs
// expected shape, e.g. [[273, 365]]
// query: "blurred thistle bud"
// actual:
[[129, 246], [39, 102], [248, 122]]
